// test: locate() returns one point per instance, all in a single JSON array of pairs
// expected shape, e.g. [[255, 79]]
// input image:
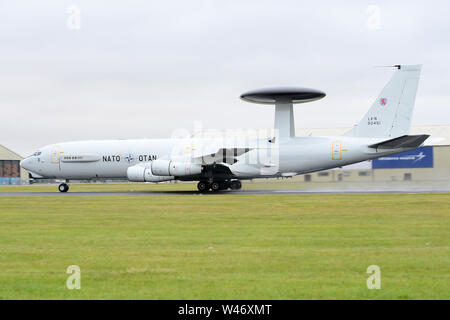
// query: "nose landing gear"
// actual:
[[63, 187]]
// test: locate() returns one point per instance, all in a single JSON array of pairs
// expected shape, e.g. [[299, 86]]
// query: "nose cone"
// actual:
[[26, 164]]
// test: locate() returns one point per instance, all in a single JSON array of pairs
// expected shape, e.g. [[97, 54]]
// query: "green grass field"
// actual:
[[226, 246]]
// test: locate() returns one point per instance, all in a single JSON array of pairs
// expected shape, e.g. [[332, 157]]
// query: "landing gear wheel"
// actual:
[[203, 186], [215, 186], [235, 185], [63, 187], [224, 185]]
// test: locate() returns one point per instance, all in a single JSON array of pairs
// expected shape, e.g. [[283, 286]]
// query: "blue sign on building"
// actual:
[[8, 180], [417, 158]]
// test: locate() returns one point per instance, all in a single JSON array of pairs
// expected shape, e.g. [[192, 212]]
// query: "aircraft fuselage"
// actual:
[[110, 159]]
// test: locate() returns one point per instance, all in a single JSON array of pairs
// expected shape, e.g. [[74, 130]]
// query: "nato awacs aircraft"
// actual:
[[220, 164]]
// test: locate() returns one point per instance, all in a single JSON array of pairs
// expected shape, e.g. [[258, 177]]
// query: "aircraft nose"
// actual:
[[25, 163]]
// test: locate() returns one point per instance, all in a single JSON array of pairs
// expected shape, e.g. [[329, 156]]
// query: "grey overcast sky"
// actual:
[[135, 69]]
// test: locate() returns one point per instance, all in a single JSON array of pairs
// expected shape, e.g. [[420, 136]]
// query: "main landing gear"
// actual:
[[235, 185], [204, 186], [63, 187]]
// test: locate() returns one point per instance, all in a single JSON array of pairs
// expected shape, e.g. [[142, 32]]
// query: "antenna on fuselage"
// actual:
[[283, 98], [397, 66]]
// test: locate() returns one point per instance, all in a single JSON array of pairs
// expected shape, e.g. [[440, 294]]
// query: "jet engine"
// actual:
[[175, 168], [143, 173], [162, 170]]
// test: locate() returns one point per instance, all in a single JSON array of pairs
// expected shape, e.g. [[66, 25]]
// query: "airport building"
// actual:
[[10, 171]]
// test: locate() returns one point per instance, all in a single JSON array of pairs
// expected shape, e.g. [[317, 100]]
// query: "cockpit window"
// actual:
[[37, 153]]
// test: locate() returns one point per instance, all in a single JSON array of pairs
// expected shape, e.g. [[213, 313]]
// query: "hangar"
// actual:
[[10, 171]]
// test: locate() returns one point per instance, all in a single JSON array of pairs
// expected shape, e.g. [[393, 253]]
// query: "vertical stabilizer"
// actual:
[[391, 113]]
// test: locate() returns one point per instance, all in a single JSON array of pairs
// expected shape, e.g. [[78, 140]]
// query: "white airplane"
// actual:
[[219, 164]]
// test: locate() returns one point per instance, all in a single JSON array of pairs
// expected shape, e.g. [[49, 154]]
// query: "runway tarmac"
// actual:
[[237, 192]]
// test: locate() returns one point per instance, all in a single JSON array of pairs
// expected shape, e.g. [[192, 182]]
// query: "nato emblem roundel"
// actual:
[[383, 101]]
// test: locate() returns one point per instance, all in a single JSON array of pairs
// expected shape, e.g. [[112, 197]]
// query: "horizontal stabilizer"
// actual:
[[401, 142]]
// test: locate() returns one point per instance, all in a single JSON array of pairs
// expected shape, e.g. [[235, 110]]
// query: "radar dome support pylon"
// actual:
[[283, 98]]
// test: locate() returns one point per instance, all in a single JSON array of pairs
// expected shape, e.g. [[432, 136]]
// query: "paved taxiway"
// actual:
[[239, 192]]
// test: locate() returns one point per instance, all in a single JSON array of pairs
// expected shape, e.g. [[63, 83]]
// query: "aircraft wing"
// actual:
[[225, 155], [216, 151]]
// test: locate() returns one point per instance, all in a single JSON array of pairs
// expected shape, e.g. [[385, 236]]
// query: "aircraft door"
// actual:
[[55, 157], [336, 150]]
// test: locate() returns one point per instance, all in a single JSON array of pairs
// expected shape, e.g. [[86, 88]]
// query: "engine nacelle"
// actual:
[[142, 173], [175, 168]]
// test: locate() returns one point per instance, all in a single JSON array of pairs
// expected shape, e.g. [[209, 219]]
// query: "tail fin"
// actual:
[[390, 115]]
